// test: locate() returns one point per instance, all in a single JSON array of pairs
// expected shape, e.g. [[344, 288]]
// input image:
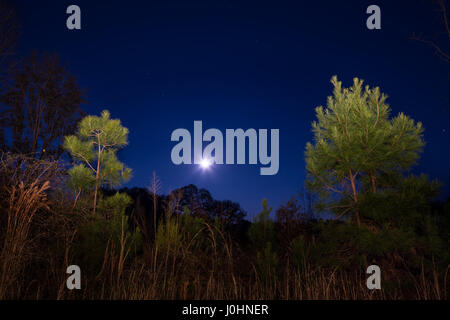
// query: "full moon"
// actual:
[[205, 163]]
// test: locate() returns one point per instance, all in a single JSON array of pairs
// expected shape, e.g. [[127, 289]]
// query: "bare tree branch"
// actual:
[[444, 54]]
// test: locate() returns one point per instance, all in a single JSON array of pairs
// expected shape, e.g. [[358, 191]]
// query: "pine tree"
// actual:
[[358, 148], [94, 149]]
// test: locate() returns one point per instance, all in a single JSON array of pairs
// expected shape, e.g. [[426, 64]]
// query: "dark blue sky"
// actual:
[[160, 65]]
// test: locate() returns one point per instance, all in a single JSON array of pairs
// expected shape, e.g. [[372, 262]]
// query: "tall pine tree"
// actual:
[[358, 148], [94, 149]]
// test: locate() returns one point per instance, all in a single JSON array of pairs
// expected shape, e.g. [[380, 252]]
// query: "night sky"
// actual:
[[160, 65]]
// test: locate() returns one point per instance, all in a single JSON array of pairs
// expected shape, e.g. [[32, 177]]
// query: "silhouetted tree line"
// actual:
[[198, 202]]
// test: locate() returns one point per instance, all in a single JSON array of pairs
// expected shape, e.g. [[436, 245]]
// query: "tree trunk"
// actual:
[[97, 174], [355, 197], [154, 214], [373, 182], [76, 199]]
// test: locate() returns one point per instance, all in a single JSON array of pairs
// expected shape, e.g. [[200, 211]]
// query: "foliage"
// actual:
[[168, 235], [192, 229], [80, 177], [262, 235], [403, 205], [201, 204], [109, 227], [299, 251], [262, 230], [267, 262], [181, 229], [290, 221]]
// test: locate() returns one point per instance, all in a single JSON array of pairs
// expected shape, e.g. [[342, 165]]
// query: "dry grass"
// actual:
[[23, 204], [211, 275], [140, 283], [25, 183]]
